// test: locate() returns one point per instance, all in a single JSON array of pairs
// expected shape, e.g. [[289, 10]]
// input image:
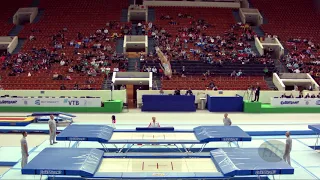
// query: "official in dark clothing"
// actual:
[[177, 92], [257, 93], [189, 92]]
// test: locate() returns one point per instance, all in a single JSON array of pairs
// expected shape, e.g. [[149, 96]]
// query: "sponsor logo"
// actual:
[[8, 102], [74, 103], [77, 139], [230, 139], [307, 103], [50, 172], [318, 102], [37, 102], [158, 174], [265, 172], [65, 101], [289, 102]]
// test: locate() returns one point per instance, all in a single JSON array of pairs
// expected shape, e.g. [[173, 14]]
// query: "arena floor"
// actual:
[[304, 159]]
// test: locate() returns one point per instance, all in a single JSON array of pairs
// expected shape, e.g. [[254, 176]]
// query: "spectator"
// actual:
[[63, 87], [189, 92], [70, 70], [234, 73], [76, 87], [266, 71], [154, 69], [68, 77], [177, 92], [239, 73], [307, 96], [55, 76], [29, 74], [123, 87], [161, 92]]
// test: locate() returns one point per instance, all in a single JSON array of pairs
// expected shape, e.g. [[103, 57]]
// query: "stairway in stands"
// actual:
[[124, 15], [236, 15], [151, 45], [119, 45], [134, 64], [151, 15], [21, 41]]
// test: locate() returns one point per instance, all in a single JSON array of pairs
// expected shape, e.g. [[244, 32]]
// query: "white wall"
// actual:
[[258, 46], [13, 44], [278, 83], [193, 4], [104, 94]]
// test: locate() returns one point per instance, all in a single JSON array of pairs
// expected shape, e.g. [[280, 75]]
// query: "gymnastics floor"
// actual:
[[304, 159]]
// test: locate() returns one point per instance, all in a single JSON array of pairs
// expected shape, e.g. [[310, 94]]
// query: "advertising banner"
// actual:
[[51, 102], [295, 102]]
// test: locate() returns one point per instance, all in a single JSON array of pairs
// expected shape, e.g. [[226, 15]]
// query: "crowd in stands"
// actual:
[[303, 56], [93, 55]]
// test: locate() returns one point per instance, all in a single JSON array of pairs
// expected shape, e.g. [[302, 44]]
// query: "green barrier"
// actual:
[[257, 107], [109, 107]]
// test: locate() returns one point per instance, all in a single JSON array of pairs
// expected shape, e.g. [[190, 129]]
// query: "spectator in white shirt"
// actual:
[[115, 69], [62, 62], [296, 71], [106, 31], [29, 74], [149, 69], [239, 73], [70, 70], [154, 69]]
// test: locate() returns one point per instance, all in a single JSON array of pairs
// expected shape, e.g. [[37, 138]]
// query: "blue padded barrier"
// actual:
[[248, 161], [162, 129], [65, 161], [225, 104], [156, 155], [315, 128], [206, 134], [51, 113], [98, 133], [168, 103]]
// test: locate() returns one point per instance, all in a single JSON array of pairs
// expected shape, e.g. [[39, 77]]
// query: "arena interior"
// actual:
[[159, 89]]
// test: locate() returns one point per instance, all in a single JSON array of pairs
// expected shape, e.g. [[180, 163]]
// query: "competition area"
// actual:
[[93, 150], [199, 135], [93, 163]]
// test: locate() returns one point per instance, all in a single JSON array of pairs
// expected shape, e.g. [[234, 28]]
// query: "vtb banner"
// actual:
[[51, 102]]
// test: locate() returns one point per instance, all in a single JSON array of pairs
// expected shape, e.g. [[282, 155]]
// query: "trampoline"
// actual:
[[16, 121], [106, 135], [316, 129], [95, 164], [58, 116]]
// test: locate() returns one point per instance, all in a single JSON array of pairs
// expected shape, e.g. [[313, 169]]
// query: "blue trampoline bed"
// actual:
[[222, 163], [108, 135]]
